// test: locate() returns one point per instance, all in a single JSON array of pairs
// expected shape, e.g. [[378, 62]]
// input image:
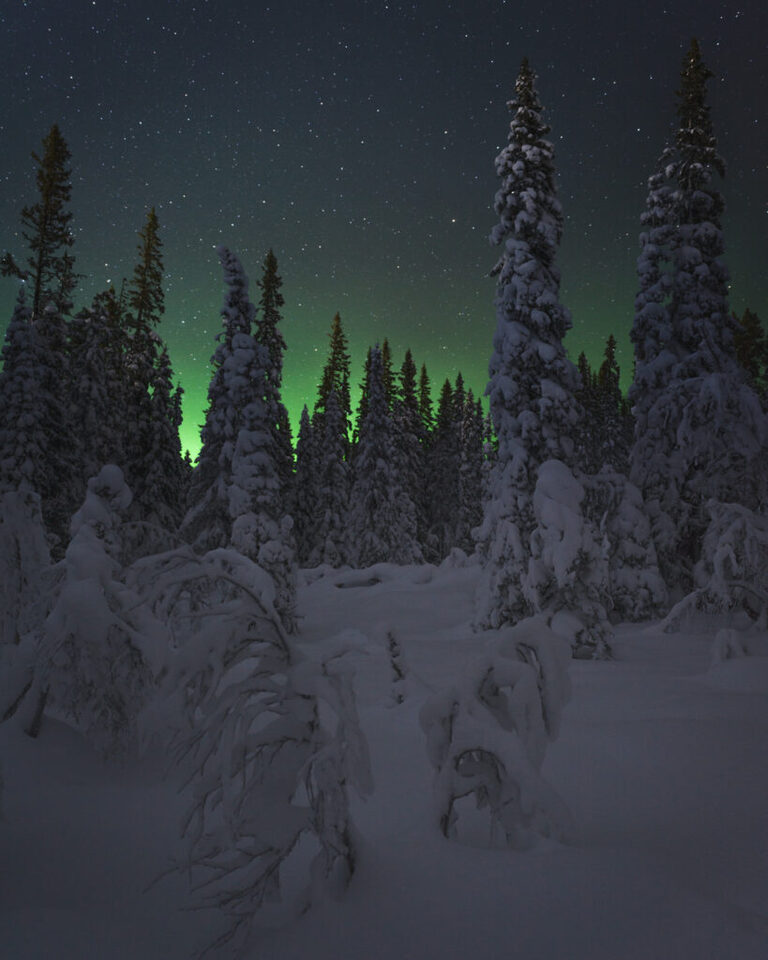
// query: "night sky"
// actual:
[[357, 138]]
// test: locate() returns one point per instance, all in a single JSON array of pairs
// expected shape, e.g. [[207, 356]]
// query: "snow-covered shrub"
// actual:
[[732, 573], [268, 739], [487, 736], [634, 584], [733, 570], [99, 646], [566, 572]]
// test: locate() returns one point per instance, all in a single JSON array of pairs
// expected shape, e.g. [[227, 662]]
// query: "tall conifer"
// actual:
[[531, 390]]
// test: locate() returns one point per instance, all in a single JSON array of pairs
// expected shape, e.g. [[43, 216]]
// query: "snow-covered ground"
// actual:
[[662, 760]]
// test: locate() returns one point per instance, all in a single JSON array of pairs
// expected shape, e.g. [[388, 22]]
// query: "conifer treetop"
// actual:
[[336, 370], [695, 139], [46, 229], [270, 306], [145, 296]]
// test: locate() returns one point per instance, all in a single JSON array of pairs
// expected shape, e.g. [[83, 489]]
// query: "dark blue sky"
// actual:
[[357, 139]]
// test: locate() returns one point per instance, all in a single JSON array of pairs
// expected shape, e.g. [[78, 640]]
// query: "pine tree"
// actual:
[[46, 227], [699, 428], [531, 390]]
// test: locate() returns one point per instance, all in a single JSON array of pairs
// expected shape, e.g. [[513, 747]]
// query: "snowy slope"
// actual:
[[661, 759]]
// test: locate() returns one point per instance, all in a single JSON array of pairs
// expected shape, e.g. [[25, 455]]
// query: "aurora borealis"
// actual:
[[357, 140]]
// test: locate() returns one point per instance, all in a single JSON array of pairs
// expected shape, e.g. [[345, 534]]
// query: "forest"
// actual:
[[151, 603]]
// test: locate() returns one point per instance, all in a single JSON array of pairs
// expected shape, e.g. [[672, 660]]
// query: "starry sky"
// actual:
[[357, 138]]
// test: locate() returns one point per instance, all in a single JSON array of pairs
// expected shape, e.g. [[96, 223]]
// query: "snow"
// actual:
[[660, 759]]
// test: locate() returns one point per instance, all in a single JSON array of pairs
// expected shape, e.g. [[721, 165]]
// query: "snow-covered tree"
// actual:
[[268, 333], [410, 442], [731, 577], [36, 431], [443, 462], [487, 738], [145, 303], [208, 522], [751, 343], [382, 518], [331, 507], [425, 401], [269, 740], [700, 431], [99, 649], [336, 373], [470, 495], [236, 495], [162, 489], [635, 587], [607, 427], [97, 394], [532, 403], [305, 488]]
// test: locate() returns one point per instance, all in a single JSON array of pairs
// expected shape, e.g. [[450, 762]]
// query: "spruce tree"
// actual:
[[336, 372], [145, 295], [443, 462], [235, 494], [268, 333], [614, 417], [208, 523], [388, 377], [97, 396], [382, 518], [531, 390], [751, 344], [37, 429], [306, 489], [145, 303], [46, 227], [425, 401], [362, 406], [700, 432], [162, 488], [331, 505], [410, 443], [470, 485]]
